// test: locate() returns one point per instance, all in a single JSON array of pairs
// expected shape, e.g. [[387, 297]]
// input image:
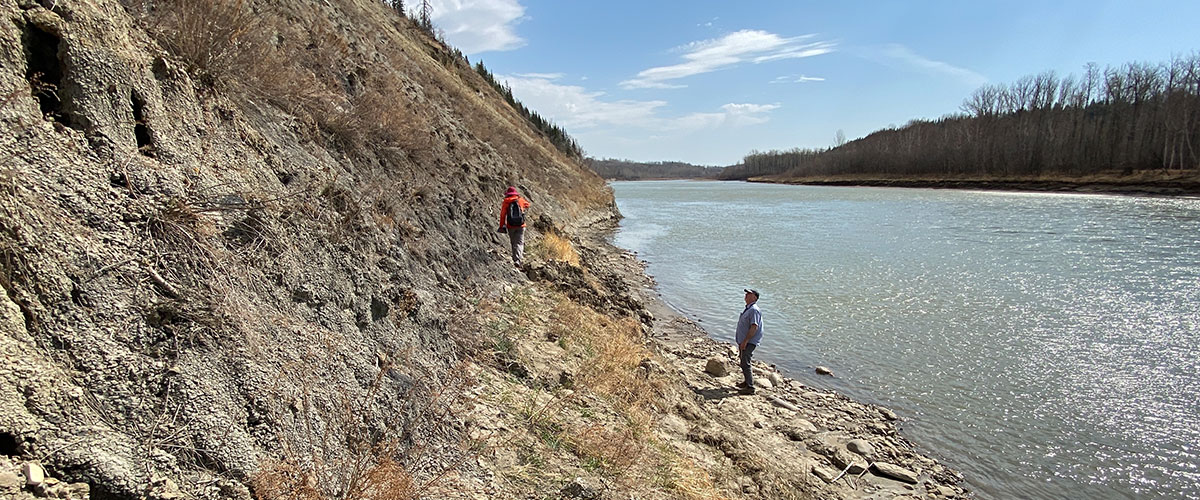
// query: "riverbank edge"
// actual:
[[841, 440], [1137, 186]]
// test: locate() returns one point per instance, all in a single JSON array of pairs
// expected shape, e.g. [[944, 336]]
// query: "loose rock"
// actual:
[[775, 378], [585, 488], [895, 472], [860, 446], [843, 459], [716, 367], [34, 474], [825, 473], [821, 370]]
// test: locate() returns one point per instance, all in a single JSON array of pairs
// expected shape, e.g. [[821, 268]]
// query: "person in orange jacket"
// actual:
[[512, 221]]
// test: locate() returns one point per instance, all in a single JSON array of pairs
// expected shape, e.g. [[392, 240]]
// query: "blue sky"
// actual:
[[706, 82]]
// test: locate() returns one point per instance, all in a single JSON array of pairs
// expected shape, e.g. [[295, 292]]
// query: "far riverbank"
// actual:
[[1140, 184]]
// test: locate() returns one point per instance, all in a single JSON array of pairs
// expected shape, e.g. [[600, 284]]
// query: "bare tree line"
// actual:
[[625, 170], [1138, 116]]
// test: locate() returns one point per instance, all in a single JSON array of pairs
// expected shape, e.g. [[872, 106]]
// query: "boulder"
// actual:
[[716, 367], [821, 370], [860, 446], [894, 472]]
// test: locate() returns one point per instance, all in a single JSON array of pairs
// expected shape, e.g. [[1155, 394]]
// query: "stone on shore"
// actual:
[[821, 370], [895, 472], [799, 430], [825, 473], [775, 378], [716, 367], [763, 382], [844, 459], [860, 446]]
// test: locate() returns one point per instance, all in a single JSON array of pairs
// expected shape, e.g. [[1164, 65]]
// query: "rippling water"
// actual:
[[1047, 345]]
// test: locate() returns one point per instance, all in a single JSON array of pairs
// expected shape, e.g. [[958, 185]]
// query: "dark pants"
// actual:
[[744, 361]]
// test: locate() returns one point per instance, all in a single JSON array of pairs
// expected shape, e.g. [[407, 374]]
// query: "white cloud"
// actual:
[[543, 76], [753, 46], [906, 56], [575, 108], [797, 79], [476, 26]]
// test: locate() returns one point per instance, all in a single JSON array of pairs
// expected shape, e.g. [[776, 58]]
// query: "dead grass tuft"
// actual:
[[553, 246]]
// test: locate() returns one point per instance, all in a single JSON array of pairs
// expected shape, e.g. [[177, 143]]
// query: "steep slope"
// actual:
[[256, 245]]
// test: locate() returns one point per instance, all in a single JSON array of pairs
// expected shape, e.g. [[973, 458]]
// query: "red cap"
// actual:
[[511, 191]]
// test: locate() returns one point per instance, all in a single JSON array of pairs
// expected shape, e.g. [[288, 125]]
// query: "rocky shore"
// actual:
[[838, 447]]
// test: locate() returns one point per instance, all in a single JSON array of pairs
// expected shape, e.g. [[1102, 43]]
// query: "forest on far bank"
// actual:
[[1124, 119], [626, 170]]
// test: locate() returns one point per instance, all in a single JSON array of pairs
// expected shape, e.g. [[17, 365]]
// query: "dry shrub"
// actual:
[[385, 479], [379, 117], [341, 452], [217, 39], [553, 246]]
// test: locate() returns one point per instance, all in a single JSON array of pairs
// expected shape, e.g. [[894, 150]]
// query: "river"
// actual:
[[1046, 345]]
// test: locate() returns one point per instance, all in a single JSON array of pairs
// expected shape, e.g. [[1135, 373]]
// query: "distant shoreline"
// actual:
[[1188, 185]]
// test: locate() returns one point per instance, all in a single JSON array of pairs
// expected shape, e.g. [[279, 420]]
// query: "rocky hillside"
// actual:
[[248, 250], [234, 232]]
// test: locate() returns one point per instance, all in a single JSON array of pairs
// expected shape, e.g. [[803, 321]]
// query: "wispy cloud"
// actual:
[[797, 79], [476, 26], [575, 108], [906, 56], [753, 46], [543, 76]]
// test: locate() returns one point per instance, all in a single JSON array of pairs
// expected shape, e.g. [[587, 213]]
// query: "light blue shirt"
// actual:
[[750, 316]]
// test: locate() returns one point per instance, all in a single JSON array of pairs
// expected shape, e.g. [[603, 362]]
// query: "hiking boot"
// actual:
[[741, 385], [746, 391]]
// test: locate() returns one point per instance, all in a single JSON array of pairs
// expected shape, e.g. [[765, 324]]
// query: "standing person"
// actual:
[[748, 335], [512, 221]]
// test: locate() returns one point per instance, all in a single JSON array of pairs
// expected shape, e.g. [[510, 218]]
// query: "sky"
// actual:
[[707, 82]]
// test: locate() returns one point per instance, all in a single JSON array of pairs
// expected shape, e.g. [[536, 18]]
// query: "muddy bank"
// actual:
[[831, 446]]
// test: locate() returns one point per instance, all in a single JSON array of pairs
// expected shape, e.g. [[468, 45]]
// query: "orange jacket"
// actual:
[[504, 208]]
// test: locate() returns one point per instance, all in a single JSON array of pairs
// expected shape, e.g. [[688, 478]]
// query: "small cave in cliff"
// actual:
[[141, 128], [9, 444], [45, 72]]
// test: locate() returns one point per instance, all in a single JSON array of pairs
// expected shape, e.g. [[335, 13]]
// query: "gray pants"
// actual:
[[744, 360], [517, 237]]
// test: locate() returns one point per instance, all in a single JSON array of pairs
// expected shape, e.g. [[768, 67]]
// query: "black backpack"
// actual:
[[516, 216]]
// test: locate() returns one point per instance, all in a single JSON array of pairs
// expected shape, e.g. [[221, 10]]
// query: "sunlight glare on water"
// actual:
[[1046, 345]]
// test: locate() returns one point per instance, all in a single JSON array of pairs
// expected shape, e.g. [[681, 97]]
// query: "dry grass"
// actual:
[[553, 246]]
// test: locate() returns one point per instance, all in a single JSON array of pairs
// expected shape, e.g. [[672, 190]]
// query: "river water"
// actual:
[[1046, 345]]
